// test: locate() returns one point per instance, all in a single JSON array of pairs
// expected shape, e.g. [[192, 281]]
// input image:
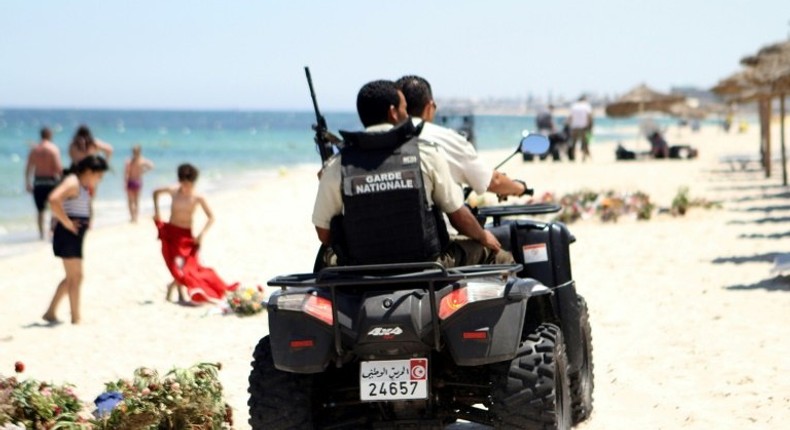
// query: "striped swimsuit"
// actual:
[[65, 243]]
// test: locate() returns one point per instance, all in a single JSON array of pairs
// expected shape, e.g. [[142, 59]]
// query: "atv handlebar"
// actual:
[[498, 212]]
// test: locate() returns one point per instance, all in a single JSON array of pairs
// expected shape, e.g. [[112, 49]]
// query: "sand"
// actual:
[[689, 324]]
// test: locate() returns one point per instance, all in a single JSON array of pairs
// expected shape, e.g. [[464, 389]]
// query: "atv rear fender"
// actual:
[[490, 330], [484, 329]]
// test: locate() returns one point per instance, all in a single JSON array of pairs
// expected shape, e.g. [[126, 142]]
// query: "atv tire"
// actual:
[[581, 381], [278, 400], [532, 391]]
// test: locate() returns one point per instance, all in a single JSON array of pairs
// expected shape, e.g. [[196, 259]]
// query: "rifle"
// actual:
[[323, 138]]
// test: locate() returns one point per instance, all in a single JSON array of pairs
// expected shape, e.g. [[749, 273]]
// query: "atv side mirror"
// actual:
[[534, 144]]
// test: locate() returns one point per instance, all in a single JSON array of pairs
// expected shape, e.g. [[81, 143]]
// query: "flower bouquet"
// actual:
[[183, 399], [31, 404], [246, 301]]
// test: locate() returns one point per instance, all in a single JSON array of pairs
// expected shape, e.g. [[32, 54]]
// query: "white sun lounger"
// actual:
[[781, 264]]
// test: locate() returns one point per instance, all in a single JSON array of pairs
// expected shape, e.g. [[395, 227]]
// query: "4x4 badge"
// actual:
[[385, 331]]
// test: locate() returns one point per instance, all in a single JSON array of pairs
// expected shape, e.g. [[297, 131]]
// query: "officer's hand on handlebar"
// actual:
[[490, 241], [526, 191]]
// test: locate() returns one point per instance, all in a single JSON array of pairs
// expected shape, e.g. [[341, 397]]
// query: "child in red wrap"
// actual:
[[180, 247]]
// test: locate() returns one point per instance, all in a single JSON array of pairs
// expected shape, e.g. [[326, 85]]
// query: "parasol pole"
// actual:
[[782, 137], [764, 104]]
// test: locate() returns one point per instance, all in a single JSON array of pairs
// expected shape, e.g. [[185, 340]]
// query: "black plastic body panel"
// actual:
[[501, 319], [554, 272]]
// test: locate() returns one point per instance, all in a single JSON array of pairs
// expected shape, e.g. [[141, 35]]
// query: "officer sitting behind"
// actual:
[[466, 167], [379, 201]]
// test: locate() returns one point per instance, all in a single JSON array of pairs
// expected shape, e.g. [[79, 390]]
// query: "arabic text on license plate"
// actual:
[[393, 379]]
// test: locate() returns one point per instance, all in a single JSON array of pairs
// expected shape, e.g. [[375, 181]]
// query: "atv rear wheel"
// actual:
[[532, 391], [278, 400], [581, 381]]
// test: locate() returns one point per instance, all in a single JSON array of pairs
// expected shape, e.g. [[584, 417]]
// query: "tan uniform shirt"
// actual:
[[440, 189], [465, 165]]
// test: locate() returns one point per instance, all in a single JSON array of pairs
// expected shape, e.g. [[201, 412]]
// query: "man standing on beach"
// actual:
[[385, 184], [581, 122], [465, 165], [42, 173]]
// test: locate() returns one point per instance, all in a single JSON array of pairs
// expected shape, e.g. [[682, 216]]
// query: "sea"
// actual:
[[231, 148]]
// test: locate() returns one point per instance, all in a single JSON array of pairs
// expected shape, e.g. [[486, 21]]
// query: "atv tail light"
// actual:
[[475, 335], [311, 304], [318, 307], [472, 292], [452, 302], [306, 343]]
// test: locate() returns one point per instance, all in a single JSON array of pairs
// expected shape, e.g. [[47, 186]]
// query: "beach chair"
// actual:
[[781, 264], [740, 160]]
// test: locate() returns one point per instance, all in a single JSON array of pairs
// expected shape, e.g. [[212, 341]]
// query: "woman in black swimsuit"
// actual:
[[71, 206]]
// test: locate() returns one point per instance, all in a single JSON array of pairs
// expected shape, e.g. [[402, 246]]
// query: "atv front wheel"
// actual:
[[582, 380], [532, 391], [278, 400]]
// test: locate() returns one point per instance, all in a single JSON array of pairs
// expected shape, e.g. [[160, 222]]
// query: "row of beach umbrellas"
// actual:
[[643, 99], [764, 76]]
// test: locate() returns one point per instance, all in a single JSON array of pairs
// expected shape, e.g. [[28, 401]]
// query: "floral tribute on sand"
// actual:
[[246, 301], [607, 206], [183, 399]]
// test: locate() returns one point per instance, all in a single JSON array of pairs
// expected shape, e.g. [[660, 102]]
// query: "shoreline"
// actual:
[[114, 212]]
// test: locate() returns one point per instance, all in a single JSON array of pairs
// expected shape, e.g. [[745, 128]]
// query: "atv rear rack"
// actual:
[[430, 273], [498, 212], [406, 272]]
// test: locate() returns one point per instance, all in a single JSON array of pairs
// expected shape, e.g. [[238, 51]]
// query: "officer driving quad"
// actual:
[[416, 345], [373, 343]]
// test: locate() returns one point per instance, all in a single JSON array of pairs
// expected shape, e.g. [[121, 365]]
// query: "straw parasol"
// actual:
[[641, 99], [741, 86], [688, 111], [766, 75], [771, 67]]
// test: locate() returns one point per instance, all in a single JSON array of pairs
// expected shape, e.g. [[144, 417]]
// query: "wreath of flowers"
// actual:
[[246, 301], [183, 398]]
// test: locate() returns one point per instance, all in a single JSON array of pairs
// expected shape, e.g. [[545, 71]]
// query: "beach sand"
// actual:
[[690, 327]]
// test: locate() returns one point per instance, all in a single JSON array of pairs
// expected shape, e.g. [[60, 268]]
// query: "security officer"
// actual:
[[465, 165], [388, 185], [468, 169]]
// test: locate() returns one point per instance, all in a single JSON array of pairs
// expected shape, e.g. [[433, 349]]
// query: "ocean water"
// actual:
[[231, 148]]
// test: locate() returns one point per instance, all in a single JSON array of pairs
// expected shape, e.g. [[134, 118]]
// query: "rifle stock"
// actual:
[[323, 139]]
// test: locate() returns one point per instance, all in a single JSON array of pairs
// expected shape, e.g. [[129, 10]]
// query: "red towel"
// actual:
[[202, 283]]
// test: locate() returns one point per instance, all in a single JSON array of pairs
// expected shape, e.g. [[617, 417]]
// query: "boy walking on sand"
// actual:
[[133, 178], [180, 247]]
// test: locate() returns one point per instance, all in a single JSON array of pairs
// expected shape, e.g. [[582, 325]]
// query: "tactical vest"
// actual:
[[386, 214]]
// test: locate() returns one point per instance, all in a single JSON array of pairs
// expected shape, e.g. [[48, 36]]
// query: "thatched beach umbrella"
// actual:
[[641, 99], [770, 72], [766, 74], [738, 87], [687, 111]]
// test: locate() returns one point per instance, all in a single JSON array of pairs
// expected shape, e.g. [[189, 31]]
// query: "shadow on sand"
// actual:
[[765, 236], [783, 195], [767, 220], [768, 209], [43, 324], [746, 187], [758, 258], [779, 283]]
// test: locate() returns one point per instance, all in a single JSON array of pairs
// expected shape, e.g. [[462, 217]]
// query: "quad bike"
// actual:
[[418, 345]]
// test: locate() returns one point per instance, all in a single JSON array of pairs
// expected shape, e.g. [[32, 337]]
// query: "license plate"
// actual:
[[393, 379]]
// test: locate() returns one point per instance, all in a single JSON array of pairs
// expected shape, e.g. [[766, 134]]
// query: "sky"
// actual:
[[250, 54]]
